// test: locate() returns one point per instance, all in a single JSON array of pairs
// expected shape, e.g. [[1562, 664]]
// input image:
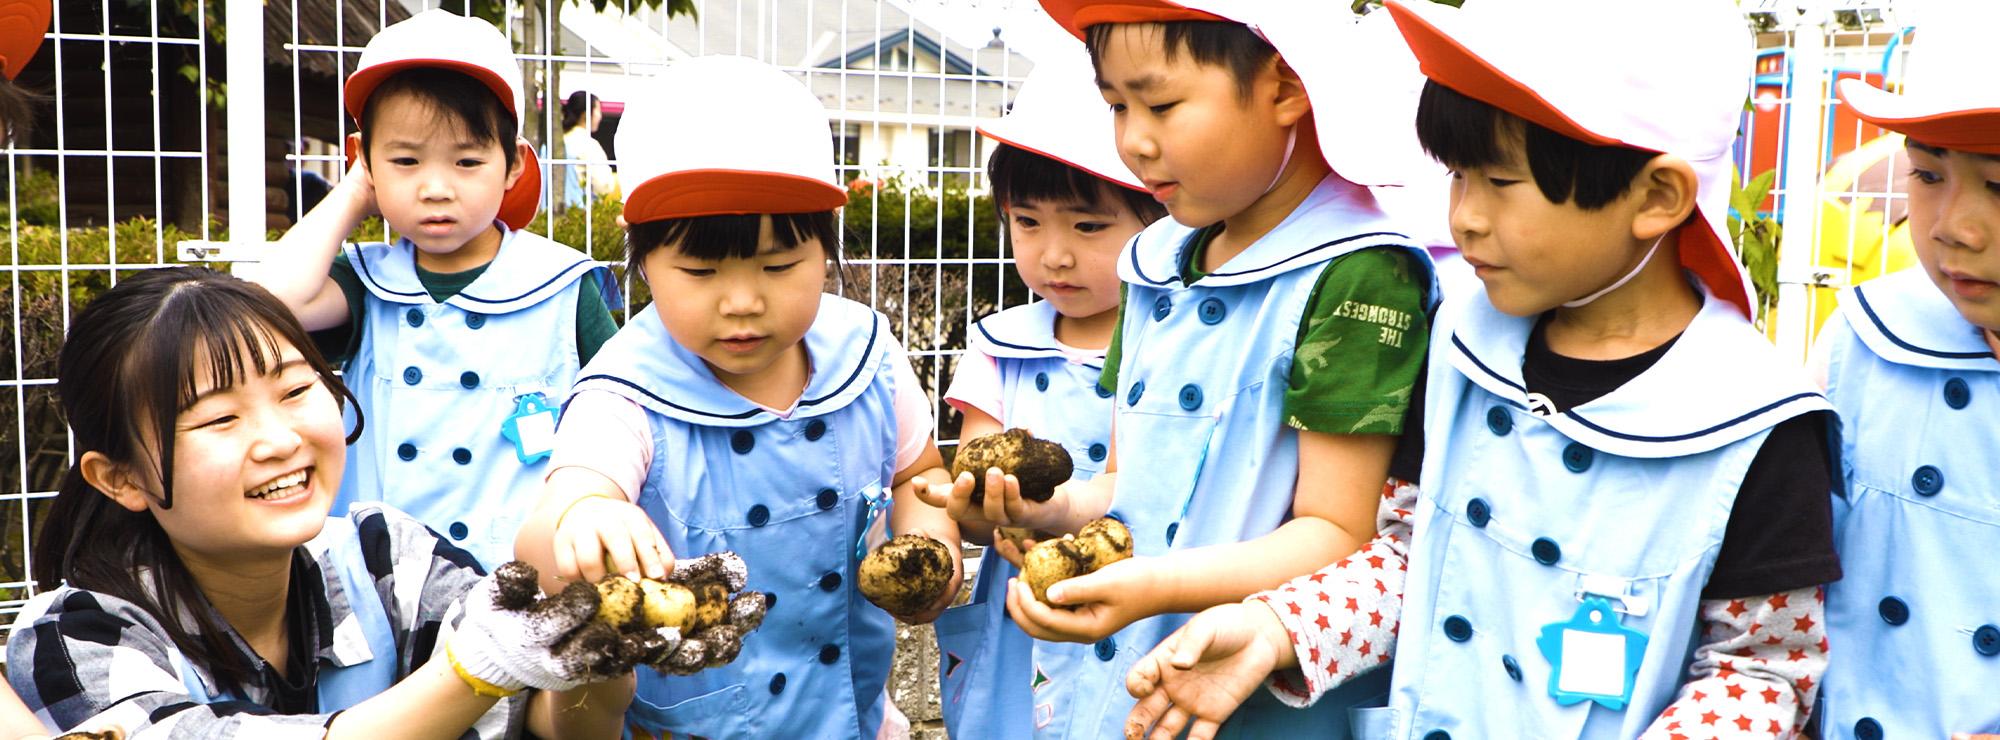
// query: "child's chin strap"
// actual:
[[1584, 301], [1291, 142]]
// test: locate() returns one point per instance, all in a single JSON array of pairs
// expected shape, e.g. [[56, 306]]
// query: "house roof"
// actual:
[[952, 62]]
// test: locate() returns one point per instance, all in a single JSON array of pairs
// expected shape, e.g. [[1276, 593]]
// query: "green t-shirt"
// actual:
[[1360, 348], [593, 319]]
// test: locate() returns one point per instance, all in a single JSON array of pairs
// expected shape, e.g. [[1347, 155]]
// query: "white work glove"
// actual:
[[511, 637]]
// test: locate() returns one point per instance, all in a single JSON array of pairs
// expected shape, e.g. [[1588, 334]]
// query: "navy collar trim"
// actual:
[[874, 332], [1862, 297]]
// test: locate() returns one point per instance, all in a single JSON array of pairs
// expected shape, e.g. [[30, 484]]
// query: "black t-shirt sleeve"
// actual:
[[1407, 462], [1780, 534]]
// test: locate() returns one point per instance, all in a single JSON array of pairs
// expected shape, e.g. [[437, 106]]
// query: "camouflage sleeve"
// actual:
[[1361, 345]]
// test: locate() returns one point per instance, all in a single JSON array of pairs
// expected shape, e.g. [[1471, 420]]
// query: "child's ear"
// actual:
[[1666, 192], [116, 481], [1291, 101], [522, 152]]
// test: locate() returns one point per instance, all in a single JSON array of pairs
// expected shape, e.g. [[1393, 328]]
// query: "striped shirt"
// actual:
[[90, 661]]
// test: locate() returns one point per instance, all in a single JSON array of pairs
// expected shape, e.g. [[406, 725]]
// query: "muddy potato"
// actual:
[[1040, 465], [1099, 544], [667, 604], [1104, 542], [618, 601], [906, 575]]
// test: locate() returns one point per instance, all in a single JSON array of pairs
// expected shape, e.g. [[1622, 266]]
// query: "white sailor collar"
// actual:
[[528, 269], [643, 363], [1026, 333], [1337, 218], [1719, 383], [1903, 318]]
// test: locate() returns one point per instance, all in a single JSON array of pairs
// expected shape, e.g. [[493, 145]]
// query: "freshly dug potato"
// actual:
[[618, 604], [906, 574], [1039, 464], [695, 619], [667, 604], [1099, 544]]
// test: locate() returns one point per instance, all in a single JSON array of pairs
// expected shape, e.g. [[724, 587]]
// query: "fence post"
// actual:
[[1798, 249], [244, 60]]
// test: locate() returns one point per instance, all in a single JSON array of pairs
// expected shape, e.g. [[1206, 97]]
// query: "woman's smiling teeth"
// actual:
[[282, 486]]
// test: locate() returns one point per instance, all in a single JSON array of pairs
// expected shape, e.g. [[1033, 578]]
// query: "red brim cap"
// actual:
[[720, 192], [1077, 15], [22, 23], [518, 205], [1926, 121]]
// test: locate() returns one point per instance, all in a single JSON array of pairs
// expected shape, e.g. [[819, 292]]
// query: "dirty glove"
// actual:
[[511, 637]]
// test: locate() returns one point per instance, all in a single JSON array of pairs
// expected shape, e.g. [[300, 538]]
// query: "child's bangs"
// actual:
[[1024, 178], [1464, 133], [1460, 132]]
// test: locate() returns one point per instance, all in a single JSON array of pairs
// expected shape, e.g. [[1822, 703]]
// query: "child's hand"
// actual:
[[1202, 672], [358, 186], [600, 535], [1104, 602], [1013, 544], [1982, 736], [1006, 510]]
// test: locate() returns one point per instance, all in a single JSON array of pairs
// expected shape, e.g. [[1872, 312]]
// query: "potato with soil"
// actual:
[[1099, 544], [695, 619], [1040, 465], [906, 575]]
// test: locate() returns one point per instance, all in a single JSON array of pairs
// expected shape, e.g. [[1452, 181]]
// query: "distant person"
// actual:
[[582, 113]]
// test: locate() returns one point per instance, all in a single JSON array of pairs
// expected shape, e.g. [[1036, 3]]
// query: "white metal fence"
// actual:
[[133, 155]]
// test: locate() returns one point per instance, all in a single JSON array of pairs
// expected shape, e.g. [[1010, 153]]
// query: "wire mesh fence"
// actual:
[[130, 165]]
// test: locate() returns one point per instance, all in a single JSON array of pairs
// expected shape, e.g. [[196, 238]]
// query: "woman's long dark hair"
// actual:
[[576, 109], [131, 363]]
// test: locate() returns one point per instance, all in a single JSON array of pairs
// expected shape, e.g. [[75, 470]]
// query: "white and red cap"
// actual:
[[441, 39], [1949, 97], [1659, 76], [22, 23], [721, 135], [1360, 76], [1059, 114]]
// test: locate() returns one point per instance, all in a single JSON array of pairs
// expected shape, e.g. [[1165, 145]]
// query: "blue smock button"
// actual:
[[829, 654], [1956, 393], [1511, 666], [1928, 480], [1986, 640], [1173, 528], [461, 456], [1867, 729], [1107, 649], [1212, 311], [1478, 512], [778, 684], [1437, 735], [1190, 397], [770, 601], [814, 430], [459, 530], [412, 376], [406, 451], [1102, 392], [1498, 421], [1577, 457], [759, 515], [475, 321], [742, 441], [414, 316], [1893, 610], [830, 581], [1097, 452], [1546, 551], [1041, 381], [469, 379], [1457, 628], [1162, 307], [827, 498], [1132, 396]]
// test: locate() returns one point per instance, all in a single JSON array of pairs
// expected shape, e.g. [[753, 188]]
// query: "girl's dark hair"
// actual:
[[714, 238], [1463, 133], [1227, 44], [450, 95], [576, 108], [1021, 177], [128, 368]]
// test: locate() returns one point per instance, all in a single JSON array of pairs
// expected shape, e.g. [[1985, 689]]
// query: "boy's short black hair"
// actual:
[[1225, 44], [1022, 177], [715, 238], [450, 95], [1464, 133]]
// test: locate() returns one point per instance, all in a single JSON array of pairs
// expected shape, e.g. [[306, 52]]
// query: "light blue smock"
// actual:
[[436, 380], [986, 671], [1522, 515], [1914, 623], [790, 495], [1206, 457]]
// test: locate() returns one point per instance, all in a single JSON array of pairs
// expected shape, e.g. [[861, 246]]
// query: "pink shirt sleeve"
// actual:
[[916, 427], [606, 434], [976, 385]]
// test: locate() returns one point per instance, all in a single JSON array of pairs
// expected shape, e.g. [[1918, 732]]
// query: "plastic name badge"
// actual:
[[532, 428], [1596, 658]]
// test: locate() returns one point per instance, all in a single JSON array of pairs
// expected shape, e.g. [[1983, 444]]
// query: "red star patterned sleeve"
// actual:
[[1756, 671], [1343, 619]]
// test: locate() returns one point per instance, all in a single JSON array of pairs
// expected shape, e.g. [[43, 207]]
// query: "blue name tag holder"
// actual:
[[532, 428], [1595, 657]]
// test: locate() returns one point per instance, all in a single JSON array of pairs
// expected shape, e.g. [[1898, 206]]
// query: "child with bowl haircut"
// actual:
[[461, 337]]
